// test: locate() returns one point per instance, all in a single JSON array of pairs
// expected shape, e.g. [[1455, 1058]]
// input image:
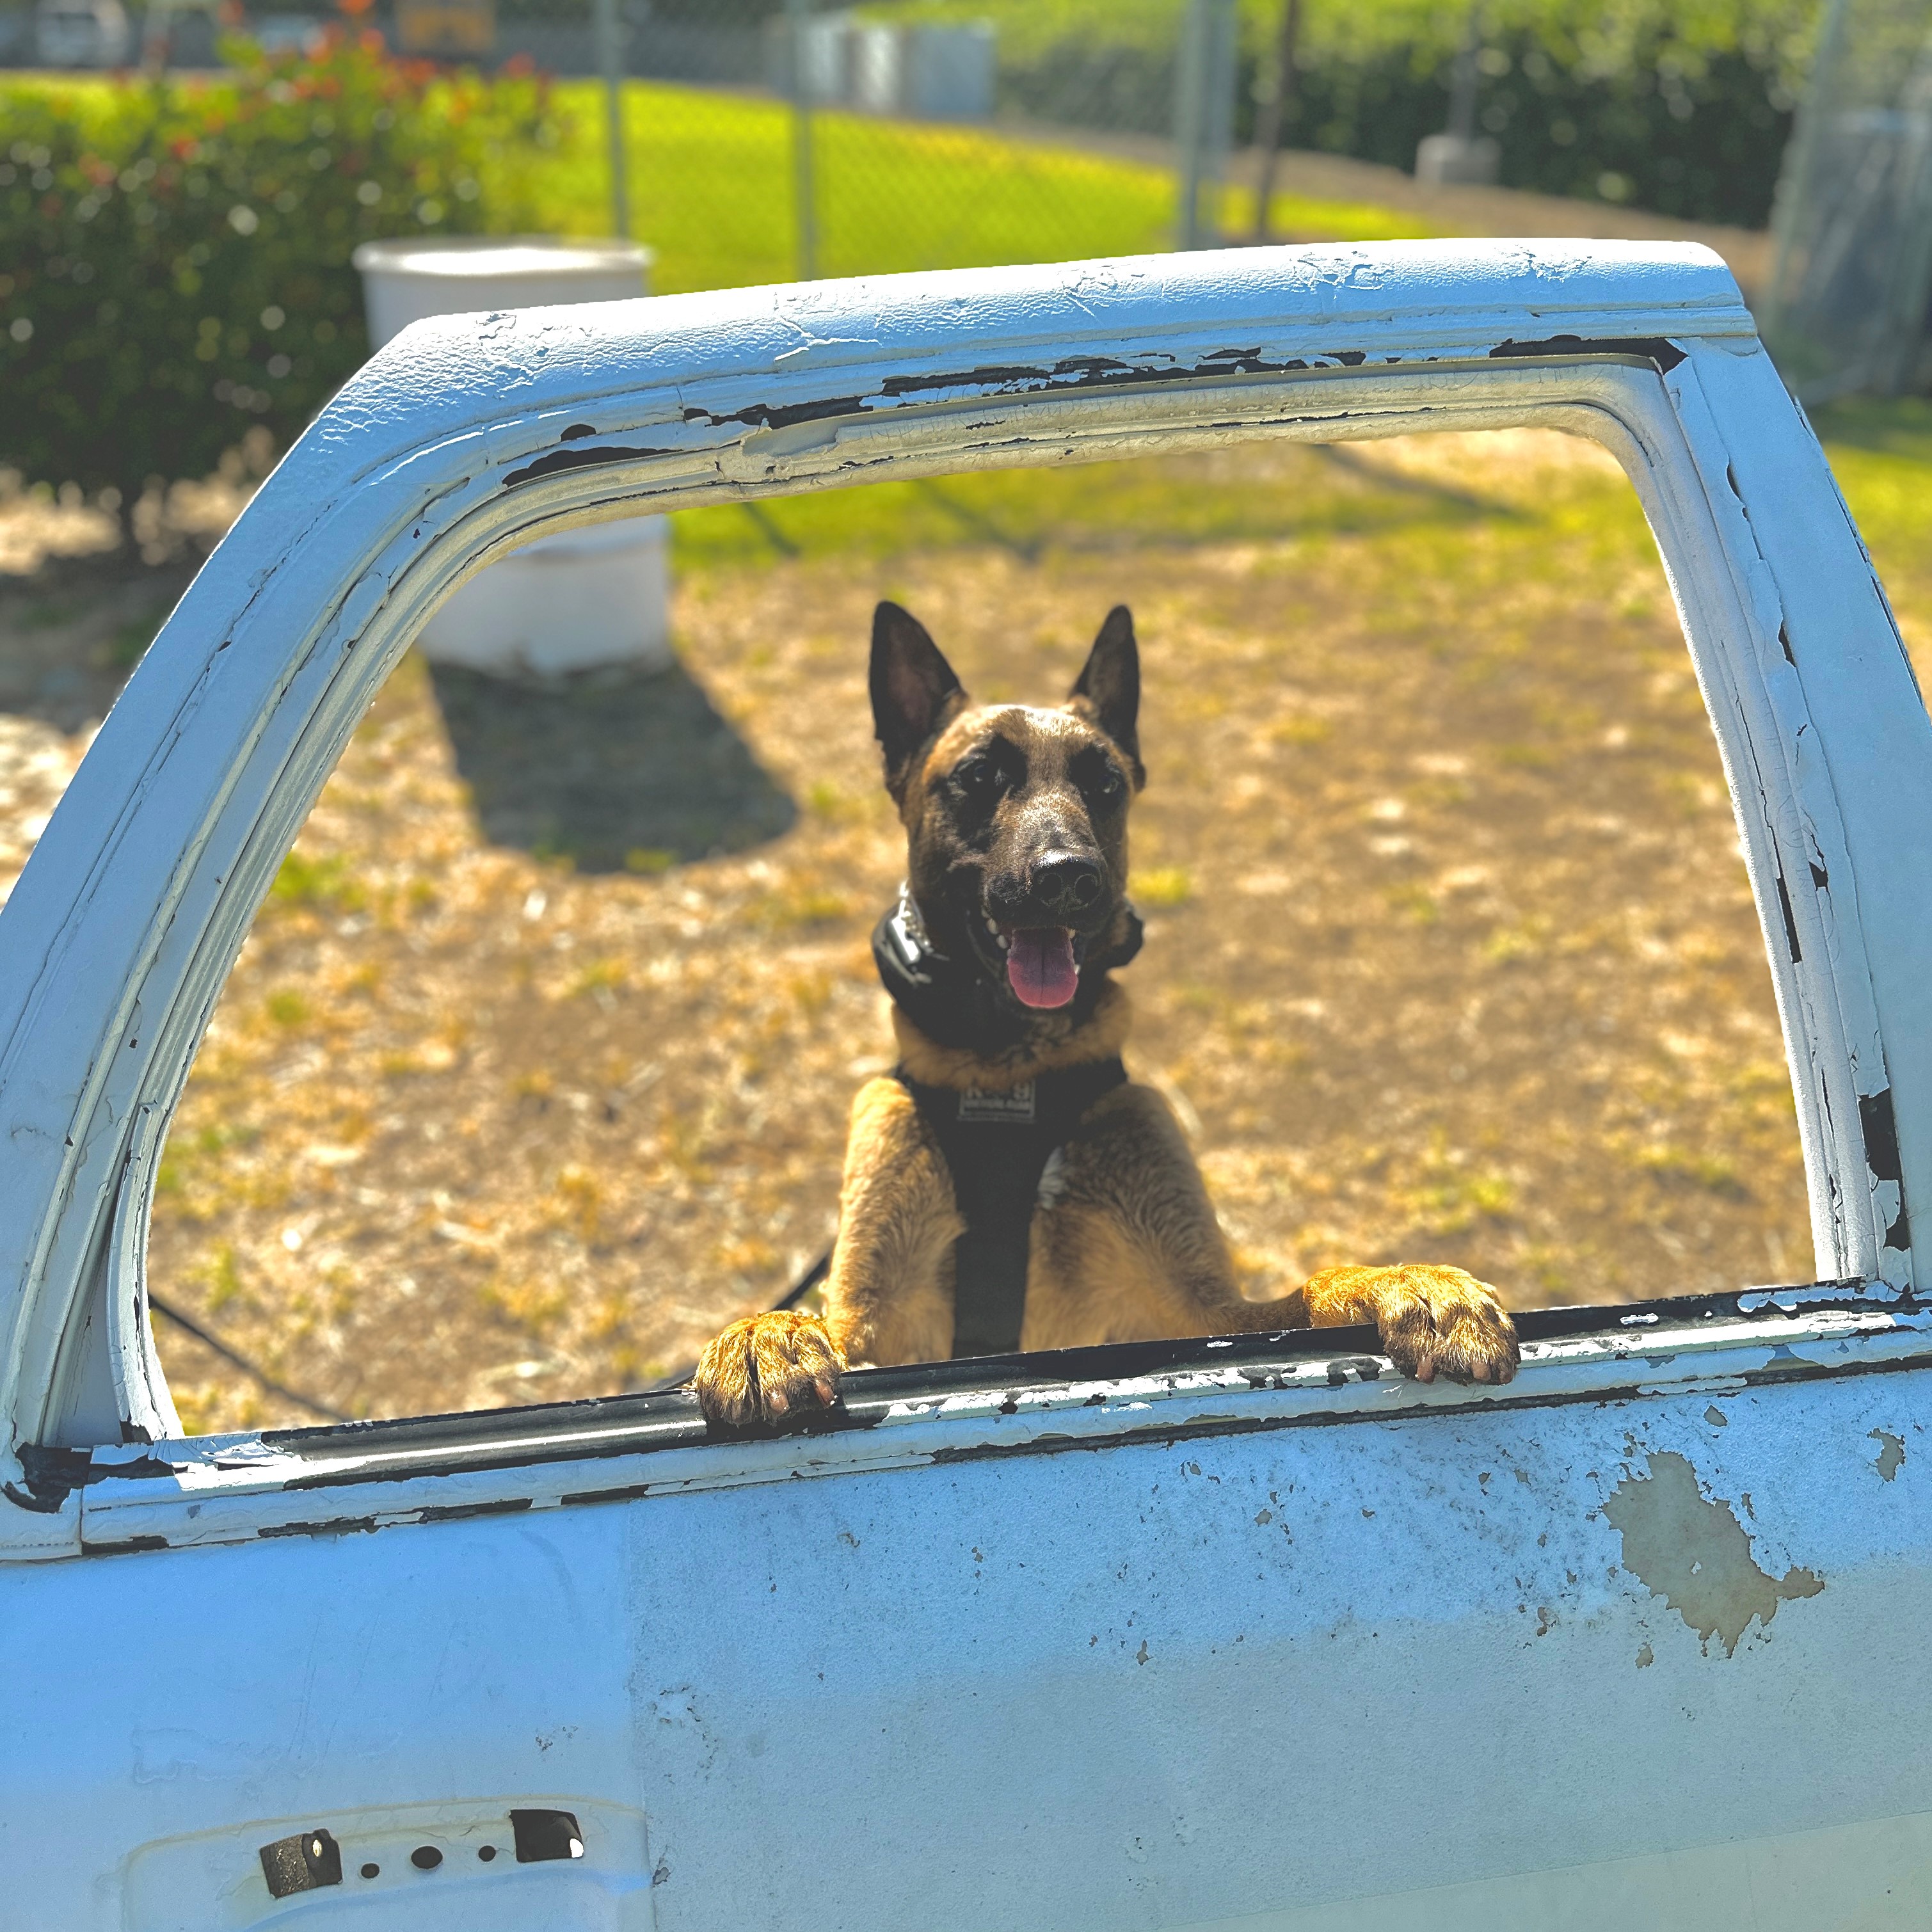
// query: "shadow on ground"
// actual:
[[612, 770], [71, 634]]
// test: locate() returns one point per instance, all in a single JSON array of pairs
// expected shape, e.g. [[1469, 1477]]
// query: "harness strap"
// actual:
[[997, 1147]]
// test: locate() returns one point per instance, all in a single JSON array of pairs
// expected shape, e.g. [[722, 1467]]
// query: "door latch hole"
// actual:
[[546, 1834], [306, 1862]]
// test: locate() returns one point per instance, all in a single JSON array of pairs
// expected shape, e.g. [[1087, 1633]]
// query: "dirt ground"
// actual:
[[535, 1070]]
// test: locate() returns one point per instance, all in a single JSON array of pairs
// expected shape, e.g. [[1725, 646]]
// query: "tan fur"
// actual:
[[889, 1298], [1124, 1245]]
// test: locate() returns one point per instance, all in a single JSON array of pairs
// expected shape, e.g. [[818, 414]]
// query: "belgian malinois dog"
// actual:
[[1008, 1187]]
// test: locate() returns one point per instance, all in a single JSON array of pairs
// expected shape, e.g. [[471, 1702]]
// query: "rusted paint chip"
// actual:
[[1695, 1555]]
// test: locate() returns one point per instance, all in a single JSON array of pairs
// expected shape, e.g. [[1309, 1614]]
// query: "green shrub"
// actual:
[[1649, 116], [1683, 109], [175, 254]]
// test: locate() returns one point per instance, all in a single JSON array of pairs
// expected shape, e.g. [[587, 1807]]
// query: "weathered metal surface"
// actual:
[[1131, 1640], [1388, 1659]]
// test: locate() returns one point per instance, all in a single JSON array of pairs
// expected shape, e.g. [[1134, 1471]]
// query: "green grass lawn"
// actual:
[[1880, 451], [712, 191], [711, 188]]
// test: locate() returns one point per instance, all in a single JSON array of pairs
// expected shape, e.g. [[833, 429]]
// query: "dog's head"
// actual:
[[1016, 817]]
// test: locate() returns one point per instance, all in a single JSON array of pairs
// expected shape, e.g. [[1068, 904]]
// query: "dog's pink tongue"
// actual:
[[1039, 964]]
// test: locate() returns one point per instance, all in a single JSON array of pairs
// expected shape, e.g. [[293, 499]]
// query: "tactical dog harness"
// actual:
[[997, 1145]]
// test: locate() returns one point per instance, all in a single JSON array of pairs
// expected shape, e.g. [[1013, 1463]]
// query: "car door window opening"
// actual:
[[1415, 375]]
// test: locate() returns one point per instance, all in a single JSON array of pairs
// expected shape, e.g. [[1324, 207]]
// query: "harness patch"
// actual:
[[998, 1181], [1013, 1107]]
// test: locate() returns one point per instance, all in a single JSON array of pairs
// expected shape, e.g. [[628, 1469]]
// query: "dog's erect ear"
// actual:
[[1109, 690], [914, 691]]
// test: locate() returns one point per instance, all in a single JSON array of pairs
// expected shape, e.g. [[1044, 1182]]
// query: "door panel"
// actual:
[[1166, 1683], [1854, 1878]]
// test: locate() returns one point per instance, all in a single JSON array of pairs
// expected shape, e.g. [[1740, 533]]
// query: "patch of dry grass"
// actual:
[[1449, 955], [36, 762]]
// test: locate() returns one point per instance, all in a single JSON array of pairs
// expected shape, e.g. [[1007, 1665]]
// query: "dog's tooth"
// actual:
[[993, 927]]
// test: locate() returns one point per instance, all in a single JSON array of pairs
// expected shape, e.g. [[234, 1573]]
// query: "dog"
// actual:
[[1007, 1186]]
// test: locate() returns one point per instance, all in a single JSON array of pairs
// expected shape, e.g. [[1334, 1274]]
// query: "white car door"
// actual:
[[1167, 1635]]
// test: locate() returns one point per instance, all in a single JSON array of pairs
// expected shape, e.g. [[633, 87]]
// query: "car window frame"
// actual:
[[467, 437]]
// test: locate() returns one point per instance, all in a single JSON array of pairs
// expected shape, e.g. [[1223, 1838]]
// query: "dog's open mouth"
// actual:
[[1043, 963]]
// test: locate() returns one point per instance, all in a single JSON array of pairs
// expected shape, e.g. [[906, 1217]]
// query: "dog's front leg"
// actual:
[[889, 1296], [1130, 1247], [1433, 1320]]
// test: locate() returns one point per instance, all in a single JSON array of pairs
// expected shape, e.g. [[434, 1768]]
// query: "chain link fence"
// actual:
[[1852, 277], [780, 138], [934, 133]]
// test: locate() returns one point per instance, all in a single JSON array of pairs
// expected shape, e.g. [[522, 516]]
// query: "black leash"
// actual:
[[253, 1370], [806, 1283], [256, 1373]]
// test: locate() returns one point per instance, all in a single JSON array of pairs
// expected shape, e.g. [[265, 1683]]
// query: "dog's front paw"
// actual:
[[769, 1366], [1441, 1321]]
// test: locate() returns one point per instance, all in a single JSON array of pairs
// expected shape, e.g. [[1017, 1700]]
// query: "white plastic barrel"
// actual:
[[591, 597]]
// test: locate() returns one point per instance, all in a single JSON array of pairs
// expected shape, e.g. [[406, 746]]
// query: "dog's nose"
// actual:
[[1064, 882]]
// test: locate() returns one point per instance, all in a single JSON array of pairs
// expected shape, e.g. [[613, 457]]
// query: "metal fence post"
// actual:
[[805, 213], [610, 63], [1277, 106], [1204, 115]]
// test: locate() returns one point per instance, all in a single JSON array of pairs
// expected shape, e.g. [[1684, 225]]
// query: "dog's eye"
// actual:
[[980, 778], [1108, 785]]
